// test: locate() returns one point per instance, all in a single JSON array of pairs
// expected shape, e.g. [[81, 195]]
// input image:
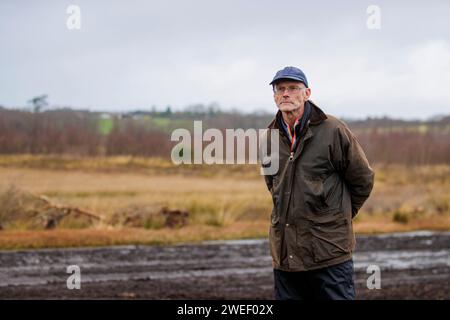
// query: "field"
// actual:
[[128, 194]]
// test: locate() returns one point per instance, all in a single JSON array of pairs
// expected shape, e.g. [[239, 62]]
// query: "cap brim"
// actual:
[[286, 78]]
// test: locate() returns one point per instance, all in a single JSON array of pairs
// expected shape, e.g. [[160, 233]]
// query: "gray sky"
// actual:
[[135, 54]]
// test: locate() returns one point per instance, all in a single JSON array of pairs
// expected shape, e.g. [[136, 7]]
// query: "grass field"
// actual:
[[223, 202]]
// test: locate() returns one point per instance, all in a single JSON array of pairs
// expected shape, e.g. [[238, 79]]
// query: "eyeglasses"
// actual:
[[290, 89]]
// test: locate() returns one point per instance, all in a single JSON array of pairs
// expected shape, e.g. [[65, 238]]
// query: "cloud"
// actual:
[[182, 52]]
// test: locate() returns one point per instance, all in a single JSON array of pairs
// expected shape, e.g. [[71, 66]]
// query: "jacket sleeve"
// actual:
[[351, 162], [266, 162]]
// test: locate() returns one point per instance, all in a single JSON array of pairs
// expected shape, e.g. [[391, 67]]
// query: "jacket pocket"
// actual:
[[322, 194], [314, 193], [330, 237]]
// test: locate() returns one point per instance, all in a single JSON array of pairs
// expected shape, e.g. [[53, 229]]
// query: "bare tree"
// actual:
[[39, 102]]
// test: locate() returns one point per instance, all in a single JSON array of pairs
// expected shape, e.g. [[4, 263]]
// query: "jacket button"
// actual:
[[287, 224], [290, 257]]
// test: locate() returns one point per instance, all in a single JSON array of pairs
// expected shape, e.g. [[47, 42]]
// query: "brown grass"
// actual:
[[11, 239], [59, 238], [221, 200]]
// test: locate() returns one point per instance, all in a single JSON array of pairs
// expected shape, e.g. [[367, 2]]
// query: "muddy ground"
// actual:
[[413, 266]]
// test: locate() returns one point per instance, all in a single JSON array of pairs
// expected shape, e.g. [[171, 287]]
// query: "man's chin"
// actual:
[[287, 107]]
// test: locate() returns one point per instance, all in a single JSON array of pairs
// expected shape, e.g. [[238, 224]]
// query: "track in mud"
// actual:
[[413, 266]]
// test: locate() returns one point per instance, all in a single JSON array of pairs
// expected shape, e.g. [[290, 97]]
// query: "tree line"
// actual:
[[85, 133]]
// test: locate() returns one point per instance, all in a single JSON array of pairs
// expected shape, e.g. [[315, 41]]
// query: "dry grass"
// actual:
[[12, 239], [220, 199], [124, 164], [210, 201], [20, 239]]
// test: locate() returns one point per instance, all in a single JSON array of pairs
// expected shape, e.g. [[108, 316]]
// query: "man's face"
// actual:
[[290, 95]]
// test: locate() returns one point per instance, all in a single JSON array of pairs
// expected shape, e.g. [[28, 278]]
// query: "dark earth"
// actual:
[[412, 265]]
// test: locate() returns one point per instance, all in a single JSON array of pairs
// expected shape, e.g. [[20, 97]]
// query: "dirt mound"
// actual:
[[21, 209], [149, 217]]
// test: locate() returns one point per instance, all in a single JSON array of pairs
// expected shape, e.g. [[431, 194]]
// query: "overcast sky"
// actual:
[[135, 54]]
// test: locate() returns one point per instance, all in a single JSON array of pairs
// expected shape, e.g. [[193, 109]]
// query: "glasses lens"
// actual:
[[292, 89]]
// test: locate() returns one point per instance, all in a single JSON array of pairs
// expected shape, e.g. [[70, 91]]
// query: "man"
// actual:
[[323, 180]]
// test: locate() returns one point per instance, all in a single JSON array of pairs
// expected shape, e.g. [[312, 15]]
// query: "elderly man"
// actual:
[[323, 180]]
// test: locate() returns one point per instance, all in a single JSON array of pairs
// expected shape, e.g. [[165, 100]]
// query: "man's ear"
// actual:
[[307, 93]]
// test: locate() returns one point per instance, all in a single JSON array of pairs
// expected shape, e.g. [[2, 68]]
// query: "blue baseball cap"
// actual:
[[290, 73]]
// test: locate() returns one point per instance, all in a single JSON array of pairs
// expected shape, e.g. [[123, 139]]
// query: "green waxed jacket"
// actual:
[[316, 193]]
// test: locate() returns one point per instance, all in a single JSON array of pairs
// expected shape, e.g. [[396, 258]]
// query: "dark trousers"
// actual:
[[330, 283]]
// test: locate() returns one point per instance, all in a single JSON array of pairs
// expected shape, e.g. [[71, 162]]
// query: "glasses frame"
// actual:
[[290, 89]]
